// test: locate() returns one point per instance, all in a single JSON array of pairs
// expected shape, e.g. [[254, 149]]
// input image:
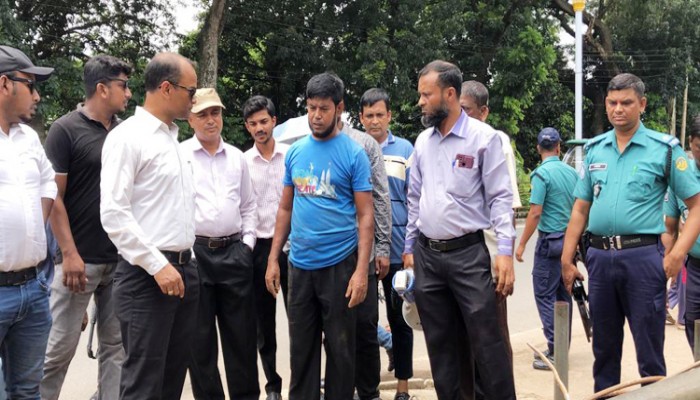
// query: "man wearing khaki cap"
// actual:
[[225, 222], [27, 192]]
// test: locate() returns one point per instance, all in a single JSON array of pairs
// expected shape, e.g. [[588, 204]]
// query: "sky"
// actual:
[[186, 16]]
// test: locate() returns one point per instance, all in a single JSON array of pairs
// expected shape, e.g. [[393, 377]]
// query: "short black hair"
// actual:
[[449, 74], [627, 81], [258, 103], [372, 96], [163, 67], [101, 69], [477, 91], [695, 128], [325, 86]]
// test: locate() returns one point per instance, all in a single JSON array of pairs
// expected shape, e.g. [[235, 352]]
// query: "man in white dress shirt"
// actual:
[[226, 216], [266, 163], [147, 209], [27, 191]]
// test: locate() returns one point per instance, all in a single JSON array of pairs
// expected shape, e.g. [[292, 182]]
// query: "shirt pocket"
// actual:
[[640, 187], [463, 182]]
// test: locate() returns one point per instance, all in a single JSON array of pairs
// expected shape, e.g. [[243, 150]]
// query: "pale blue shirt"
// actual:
[[459, 184]]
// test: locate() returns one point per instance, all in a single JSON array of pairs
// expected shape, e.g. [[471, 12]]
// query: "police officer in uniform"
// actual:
[[551, 199], [675, 208], [621, 196]]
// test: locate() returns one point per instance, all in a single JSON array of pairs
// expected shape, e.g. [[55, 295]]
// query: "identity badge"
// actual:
[[464, 161]]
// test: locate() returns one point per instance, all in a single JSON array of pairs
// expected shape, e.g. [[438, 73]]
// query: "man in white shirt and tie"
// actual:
[[27, 192], [147, 209], [225, 221]]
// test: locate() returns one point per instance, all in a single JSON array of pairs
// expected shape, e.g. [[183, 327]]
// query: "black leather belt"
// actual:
[[451, 244], [178, 257], [217, 242], [622, 241], [15, 278]]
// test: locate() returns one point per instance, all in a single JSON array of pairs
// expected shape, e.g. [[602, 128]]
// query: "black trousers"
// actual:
[[692, 296], [458, 308], [401, 333], [367, 363], [265, 310], [226, 298], [317, 304], [157, 331]]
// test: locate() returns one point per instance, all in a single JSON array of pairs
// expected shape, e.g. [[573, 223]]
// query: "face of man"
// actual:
[[24, 97], [182, 96], [624, 108], [260, 125], [323, 116], [376, 119], [695, 149], [432, 100], [472, 109], [207, 125], [118, 93]]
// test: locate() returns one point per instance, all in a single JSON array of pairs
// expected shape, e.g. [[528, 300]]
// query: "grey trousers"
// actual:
[[67, 310]]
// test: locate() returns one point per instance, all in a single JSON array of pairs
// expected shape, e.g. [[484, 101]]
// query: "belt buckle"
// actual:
[[180, 257], [434, 245], [210, 244], [614, 242]]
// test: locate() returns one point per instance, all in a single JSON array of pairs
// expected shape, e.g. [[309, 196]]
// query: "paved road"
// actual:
[[522, 318]]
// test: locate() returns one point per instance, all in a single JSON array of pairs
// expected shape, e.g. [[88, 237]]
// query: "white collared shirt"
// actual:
[[267, 183], [146, 191], [225, 201], [26, 176]]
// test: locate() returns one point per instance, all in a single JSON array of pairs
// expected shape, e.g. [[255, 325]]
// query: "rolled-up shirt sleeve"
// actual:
[[498, 194], [120, 162], [249, 211]]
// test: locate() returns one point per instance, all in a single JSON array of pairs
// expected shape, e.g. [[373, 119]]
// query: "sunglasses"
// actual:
[[190, 90], [30, 83], [124, 81]]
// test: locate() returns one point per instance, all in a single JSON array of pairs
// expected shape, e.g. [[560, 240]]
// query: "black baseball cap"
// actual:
[[12, 59]]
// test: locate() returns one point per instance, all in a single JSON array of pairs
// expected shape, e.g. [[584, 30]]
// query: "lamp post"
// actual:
[[578, 6]]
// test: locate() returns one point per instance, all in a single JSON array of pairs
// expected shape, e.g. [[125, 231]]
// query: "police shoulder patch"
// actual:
[[681, 163], [668, 140], [595, 141]]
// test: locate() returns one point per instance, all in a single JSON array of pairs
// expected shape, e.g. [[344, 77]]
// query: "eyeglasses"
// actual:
[[124, 81], [190, 90], [30, 83]]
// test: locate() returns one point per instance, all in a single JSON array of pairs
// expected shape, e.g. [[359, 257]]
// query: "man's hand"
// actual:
[[357, 288], [74, 277], [170, 281], [407, 259], [519, 252], [382, 266], [569, 273], [672, 265], [505, 278], [272, 277]]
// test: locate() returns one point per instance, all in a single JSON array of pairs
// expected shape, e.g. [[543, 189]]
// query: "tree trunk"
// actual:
[[208, 45]]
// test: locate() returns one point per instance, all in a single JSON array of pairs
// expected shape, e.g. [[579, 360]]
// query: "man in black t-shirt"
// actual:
[[86, 260]]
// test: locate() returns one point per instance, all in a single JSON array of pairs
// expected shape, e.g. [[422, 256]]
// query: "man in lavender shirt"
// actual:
[[459, 186]]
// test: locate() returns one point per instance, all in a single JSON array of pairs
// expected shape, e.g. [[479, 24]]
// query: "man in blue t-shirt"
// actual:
[[327, 203]]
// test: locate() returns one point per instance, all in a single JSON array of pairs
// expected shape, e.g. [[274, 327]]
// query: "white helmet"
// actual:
[[410, 315]]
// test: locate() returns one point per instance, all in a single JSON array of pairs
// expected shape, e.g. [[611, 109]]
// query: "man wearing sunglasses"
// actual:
[[147, 202], [87, 258], [27, 191]]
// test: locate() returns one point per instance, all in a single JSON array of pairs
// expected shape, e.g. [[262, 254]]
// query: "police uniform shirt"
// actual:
[[553, 184], [674, 207], [626, 190]]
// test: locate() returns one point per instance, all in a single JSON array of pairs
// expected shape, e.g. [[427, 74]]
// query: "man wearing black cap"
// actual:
[[551, 200], [27, 191]]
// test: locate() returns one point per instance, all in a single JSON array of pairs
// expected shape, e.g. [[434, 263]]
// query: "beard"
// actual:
[[436, 117], [327, 132]]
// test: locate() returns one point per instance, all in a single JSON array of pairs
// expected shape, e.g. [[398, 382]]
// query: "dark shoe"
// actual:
[[390, 353], [273, 396], [541, 365], [402, 396]]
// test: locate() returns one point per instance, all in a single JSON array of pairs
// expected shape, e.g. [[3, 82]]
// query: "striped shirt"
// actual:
[[267, 183]]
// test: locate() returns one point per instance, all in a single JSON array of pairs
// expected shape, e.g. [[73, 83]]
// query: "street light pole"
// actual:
[[578, 72]]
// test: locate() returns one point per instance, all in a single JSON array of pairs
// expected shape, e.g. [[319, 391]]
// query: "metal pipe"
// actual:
[[578, 6], [696, 340], [561, 345]]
